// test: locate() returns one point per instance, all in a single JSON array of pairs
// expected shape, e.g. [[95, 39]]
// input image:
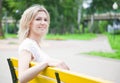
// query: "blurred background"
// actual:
[[91, 27], [70, 19], [67, 16]]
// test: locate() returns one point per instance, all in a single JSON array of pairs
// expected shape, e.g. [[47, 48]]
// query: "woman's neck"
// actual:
[[36, 38]]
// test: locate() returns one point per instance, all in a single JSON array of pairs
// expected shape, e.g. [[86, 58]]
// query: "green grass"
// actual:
[[62, 37], [71, 37], [10, 35], [114, 42], [115, 55]]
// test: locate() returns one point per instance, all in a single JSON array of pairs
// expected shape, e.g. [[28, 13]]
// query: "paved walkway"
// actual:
[[70, 52]]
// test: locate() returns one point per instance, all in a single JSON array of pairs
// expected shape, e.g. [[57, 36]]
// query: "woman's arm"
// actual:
[[26, 73]]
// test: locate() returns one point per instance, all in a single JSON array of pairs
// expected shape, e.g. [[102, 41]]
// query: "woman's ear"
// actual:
[[30, 25]]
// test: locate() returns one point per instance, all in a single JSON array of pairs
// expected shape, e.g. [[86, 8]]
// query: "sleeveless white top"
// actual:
[[32, 46]]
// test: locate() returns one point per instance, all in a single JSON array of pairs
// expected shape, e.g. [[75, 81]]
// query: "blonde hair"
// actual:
[[27, 18]]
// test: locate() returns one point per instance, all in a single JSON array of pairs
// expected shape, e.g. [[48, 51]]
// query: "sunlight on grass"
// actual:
[[62, 37], [114, 42], [71, 37], [10, 35], [115, 55]]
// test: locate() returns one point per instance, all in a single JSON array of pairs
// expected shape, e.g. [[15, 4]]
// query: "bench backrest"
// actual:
[[55, 75]]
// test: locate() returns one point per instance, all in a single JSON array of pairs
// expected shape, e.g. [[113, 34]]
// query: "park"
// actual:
[[85, 34]]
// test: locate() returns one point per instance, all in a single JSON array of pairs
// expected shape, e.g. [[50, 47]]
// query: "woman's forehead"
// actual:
[[41, 14]]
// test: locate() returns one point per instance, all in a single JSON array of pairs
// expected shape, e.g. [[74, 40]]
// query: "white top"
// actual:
[[32, 46]]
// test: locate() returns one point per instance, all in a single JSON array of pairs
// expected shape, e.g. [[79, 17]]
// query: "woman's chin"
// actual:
[[43, 33]]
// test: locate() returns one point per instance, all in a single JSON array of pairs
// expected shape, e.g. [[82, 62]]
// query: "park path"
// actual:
[[70, 52]]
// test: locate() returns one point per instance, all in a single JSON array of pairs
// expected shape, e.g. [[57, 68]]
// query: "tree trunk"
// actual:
[[91, 23], [80, 12], [1, 31], [79, 17]]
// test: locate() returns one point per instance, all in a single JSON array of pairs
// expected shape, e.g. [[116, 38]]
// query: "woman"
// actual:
[[34, 25]]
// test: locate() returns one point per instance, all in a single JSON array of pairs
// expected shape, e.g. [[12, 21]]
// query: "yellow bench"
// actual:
[[53, 75]]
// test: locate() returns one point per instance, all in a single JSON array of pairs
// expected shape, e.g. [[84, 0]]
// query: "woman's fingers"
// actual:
[[59, 64], [63, 66]]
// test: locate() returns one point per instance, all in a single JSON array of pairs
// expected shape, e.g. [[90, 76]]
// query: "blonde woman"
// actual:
[[34, 24]]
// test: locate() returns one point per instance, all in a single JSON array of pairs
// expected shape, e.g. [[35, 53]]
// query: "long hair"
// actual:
[[27, 18]]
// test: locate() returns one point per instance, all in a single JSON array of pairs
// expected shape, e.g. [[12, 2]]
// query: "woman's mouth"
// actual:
[[42, 28]]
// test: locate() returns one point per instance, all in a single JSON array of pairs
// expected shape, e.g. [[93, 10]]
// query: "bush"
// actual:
[[103, 26], [99, 26], [11, 28]]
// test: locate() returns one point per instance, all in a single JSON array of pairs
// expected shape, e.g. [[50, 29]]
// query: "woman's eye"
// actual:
[[45, 19], [38, 19]]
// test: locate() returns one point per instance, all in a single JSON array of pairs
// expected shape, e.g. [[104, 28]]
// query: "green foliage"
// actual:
[[102, 26], [100, 6], [114, 41], [12, 28], [62, 18], [63, 13], [95, 28], [1, 31], [99, 26]]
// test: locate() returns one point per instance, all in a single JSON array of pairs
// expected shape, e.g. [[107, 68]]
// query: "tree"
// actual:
[[1, 31], [64, 16], [63, 13]]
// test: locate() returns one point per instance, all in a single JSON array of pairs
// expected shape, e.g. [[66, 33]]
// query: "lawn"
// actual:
[[10, 35], [71, 36], [62, 37], [114, 42]]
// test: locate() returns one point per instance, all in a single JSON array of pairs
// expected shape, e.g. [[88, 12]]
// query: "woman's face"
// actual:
[[39, 25]]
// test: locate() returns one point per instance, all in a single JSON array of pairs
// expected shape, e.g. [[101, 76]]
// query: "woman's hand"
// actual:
[[62, 65], [58, 64]]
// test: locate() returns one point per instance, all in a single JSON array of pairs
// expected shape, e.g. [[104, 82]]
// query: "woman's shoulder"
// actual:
[[27, 43]]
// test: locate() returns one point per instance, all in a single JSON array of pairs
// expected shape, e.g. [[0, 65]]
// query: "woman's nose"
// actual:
[[42, 22]]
